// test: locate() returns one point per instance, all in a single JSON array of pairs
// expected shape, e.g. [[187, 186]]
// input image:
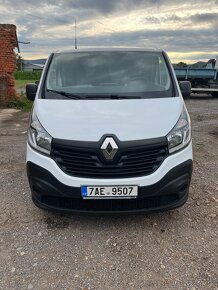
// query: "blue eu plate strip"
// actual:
[[84, 190]]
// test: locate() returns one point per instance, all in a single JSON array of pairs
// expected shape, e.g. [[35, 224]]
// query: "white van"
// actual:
[[109, 133]]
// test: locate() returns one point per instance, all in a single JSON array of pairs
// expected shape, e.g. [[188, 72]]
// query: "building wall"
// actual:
[[8, 42], [31, 67]]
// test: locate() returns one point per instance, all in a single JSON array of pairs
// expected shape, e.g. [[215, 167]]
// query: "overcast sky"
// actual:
[[187, 30]]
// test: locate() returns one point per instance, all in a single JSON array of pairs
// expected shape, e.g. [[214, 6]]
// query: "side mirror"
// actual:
[[185, 88], [31, 90]]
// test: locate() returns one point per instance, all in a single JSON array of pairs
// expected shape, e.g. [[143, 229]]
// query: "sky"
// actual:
[[186, 29]]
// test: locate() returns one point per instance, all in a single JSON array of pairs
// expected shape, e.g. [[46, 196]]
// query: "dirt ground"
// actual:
[[171, 250]]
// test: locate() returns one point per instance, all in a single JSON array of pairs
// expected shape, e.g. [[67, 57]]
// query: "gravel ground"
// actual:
[[171, 250]]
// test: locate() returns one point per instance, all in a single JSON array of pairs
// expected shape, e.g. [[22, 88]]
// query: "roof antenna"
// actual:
[[75, 34]]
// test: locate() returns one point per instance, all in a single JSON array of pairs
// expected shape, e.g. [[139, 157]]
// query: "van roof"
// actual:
[[109, 49]]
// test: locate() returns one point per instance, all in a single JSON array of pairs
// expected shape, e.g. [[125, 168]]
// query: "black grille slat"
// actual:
[[139, 157], [110, 205], [140, 161], [96, 166], [70, 154], [75, 163], [144, 153], [147, 156], [89, 162], [104, 205], [103, 171]]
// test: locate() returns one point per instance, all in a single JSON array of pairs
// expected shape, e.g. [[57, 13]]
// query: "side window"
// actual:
[[51, 78], [54, 77], [164, 74]]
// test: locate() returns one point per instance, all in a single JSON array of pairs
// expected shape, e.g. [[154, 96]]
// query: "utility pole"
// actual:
[[21, 60], [75, 35], [24, 42]]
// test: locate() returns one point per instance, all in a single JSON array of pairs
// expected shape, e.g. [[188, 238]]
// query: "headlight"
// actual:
[[180, 135], [38, 137]]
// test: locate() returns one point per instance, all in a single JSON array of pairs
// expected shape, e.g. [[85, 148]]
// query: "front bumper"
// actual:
[[168, 193]]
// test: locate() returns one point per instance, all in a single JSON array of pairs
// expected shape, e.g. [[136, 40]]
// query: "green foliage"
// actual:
[[21, 103], [21, 84], [181, 64], [27, 75], [19, 62]]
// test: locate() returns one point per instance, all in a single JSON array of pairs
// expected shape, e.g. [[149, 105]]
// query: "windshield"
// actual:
[[115, 73]]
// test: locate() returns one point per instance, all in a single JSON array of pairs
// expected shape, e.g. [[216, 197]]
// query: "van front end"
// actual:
[[54, 189], [109, 135]]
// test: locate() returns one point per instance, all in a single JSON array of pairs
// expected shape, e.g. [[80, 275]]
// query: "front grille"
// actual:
[[133, 159], [109, 205]]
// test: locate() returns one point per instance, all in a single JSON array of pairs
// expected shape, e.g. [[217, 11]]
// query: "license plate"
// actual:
[[130, 191]]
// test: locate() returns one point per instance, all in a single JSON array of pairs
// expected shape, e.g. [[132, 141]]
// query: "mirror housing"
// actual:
[[185, 88], [31, 90]]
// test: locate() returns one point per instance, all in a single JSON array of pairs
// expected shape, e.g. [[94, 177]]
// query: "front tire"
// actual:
[[214, 94]]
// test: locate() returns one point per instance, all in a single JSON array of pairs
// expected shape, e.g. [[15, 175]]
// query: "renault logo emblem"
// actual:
[[109, 148]]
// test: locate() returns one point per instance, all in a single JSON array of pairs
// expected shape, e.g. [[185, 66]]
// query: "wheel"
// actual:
[[185, 87], [214, 94], [186, 95]]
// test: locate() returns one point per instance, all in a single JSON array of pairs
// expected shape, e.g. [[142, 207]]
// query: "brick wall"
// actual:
[[8, 41]]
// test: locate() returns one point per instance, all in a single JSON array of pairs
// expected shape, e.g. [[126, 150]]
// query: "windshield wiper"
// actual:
[[95, 97], [113, 97], [65, 94], [123, 97]]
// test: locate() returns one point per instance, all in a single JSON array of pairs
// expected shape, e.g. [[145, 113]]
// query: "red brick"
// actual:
[[8, 41]]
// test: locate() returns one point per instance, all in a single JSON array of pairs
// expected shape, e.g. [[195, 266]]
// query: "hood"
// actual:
[[89, 120]]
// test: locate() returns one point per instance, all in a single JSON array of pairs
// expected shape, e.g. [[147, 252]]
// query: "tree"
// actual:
[[181, 64], [19, 62]]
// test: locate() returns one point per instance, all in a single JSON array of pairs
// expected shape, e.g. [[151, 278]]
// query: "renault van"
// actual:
[[109, 133]]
